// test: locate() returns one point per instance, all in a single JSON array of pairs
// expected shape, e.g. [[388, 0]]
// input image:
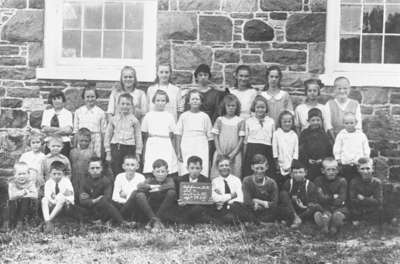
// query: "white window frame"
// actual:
[[368, 74], [56, 67]]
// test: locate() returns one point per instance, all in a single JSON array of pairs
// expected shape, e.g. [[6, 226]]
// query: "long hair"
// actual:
[[121, 85], [229, 98], [282, 114], [269, 70], [157, 79]]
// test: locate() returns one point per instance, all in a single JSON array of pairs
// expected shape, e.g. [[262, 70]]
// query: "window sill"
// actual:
[[380, 79]]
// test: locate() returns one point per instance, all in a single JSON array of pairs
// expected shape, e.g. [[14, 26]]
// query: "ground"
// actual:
[[204, 244]]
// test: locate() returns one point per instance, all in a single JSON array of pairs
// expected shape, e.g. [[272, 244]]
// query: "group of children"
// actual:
[[265, 162]]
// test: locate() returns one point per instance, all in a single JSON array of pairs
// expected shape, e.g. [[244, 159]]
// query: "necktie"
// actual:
[[57, 188], [54, 122], [227, 189]]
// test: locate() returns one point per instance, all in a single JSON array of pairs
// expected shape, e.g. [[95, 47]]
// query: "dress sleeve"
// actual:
[[289, 103], [112, 102], [179, 125], [358, 117], [296, 147], [217, 126], [46, 118], [144, 126], [76, 121], [242, 128], [275, 151], [208, 127]]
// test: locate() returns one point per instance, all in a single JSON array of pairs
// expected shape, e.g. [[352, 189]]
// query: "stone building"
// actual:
[[60, 44]]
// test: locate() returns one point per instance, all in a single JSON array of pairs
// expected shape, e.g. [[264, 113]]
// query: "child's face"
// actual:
[[203, 78], [259, 170], [55, 147], [194, 170], [315, 122], [90, 98], [366, 171], [342, 88], [83, 142], [231, 108], [274, 79], [21, 173], [160, 101], [243, 78], [58, 102], [128, 78], [163, 73], [350, 123], [56, 175], [36, 144], [330, 169], [312, 92], [260, 109], [160, 173], [95, 169], [195, 100], [224, 168], [298, 174], [125, 105], [287, 122], [130, 165]]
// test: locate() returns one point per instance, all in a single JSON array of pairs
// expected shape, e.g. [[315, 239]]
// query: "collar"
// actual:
[[277, 96]]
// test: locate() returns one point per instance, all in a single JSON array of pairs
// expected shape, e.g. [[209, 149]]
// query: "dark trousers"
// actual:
[[155, 204], [280, 179], [118, 152], [232, 214], [65, 150], [127, 209], [22, 209], [253, 149], [304, 214], [191, 214], [373, 214], [105, 210]]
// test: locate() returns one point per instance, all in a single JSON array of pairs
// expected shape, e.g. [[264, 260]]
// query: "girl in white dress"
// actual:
[[158, 128], [193, 134]]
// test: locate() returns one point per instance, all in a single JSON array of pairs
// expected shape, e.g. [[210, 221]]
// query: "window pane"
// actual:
[[350, 19], [392, 49], [113, 16], [371, 49], [393, 1], [93, 14], [92, 44], [392, 19], [349, 48], [133, 45], [373, 1], [134, 16], [373, 19], [72, 16], [71, 46], [351, 1], [112, 44]]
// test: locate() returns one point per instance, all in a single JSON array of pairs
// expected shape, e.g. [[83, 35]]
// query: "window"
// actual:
[[94, 39], [363, 41]]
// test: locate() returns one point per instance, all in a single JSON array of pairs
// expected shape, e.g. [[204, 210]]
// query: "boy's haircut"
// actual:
[[96, 159], [296, 165], [128, 68], [160, 163], [55, 138], [282, 114], [195, 160], [130, 156], [85, 132], [221, 158], [327, 160], [55, 94], [91, 86], [229, 98], [269, 70], [127, 96], [341, 78], [313, 81], [35, 135], [364, 160], [314, 112], [203, 68], [257, 99], [58, 165], [258, 159], [160, 92]]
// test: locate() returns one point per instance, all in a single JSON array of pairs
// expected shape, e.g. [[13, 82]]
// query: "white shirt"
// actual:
[[285, 147], [301, 116], [93, 119], [126, 186], [64, 185], [349, 147], [255, 133], [246, 98], [64, 119], [34, 161], [234, 184]]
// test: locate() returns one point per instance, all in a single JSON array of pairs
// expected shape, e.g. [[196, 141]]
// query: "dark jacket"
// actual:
[[328, 188], [167, 184], [93, 188], [268, 192], [314, 144], [371, 190]]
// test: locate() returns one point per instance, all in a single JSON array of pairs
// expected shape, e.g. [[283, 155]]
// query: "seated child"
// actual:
[[366, 195], [58, 194], [192, 213], [332, 194], [80, 157], [301, 195], [125, 184], [55, 144], [350, 145], [156, 196], [23, 195], [95, 195]]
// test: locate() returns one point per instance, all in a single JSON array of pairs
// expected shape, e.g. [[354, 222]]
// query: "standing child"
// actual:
[[351, 144], [57, 121], [285, 146], [336, 108], [193, 133], [315, 144], [23, 195], [92, 117], [278, 100], [258, 139], [123, 135], [243, 90], [55, 145], [163, 83], [229, 132], [332, 195], [80, 157], [158, 128]]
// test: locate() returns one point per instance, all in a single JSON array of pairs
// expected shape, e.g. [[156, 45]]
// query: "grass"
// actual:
[[204, 244]]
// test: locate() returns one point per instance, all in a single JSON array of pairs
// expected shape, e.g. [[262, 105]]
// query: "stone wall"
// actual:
[[221, 33]]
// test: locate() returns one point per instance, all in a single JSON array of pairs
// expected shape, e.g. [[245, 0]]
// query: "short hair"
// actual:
[[128, 68], [127, 96], [364, 160], [241, 68], [55, 138], [341, 78], [20, 164], [202, 68], [129, 156], [160, 92], [221, 158], [189, 94], [96, 159], [85, 132], [33, 135], [56, 94], [91, 86], [269, 70], [259, 98], [309, 82], [160, 163], [58, 165], [194, 159], [297, 165], [229, 98], [327, 160], [314, 112], [258, 159], [282, 114]]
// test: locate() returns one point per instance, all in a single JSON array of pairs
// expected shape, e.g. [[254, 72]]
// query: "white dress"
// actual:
[[174, 95], [159, 125], [195, 129], [246, 98]]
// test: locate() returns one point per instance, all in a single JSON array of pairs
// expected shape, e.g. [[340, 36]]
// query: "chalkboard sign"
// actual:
[[195, 193]]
